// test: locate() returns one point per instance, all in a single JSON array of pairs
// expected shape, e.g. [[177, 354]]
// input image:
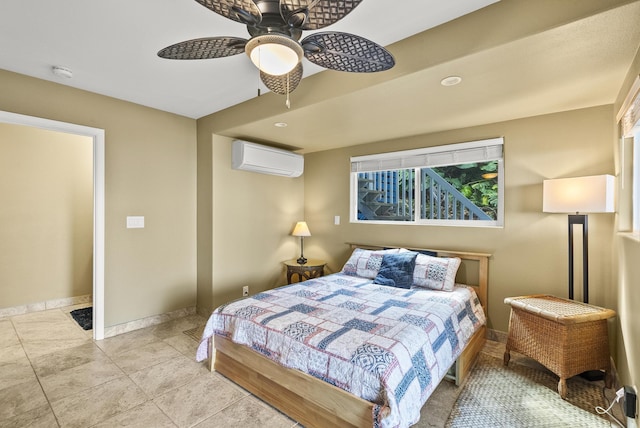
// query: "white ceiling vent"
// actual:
[[266, 160]]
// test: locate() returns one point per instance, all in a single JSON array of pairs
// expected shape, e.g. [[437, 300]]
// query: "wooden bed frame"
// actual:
[[315, 403]]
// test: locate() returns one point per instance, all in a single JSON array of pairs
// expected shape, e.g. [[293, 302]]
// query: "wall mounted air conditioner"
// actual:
[[265, 160]]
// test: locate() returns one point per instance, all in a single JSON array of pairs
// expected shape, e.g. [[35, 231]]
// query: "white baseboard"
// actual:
[[147, 322], [43, 306]]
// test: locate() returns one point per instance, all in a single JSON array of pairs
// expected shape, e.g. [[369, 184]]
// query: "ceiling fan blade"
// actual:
[[279, 84], [346, 52], [320, 13], [205, 48], [244, 11]]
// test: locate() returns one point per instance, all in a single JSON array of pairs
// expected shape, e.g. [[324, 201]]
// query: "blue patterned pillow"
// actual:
[[396, 270]]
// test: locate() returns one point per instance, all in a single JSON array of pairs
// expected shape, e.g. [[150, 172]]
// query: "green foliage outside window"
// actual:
[[478, 182]]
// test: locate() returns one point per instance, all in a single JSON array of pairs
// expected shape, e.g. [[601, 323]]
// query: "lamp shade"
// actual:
[[592, 194], [301, 229]]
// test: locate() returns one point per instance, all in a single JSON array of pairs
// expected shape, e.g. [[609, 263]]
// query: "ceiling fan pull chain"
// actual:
[[258, 83], [258, 76], [288, 103]]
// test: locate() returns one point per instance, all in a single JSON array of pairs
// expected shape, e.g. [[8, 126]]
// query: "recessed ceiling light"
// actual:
[[451, 81], [280, 124], [62, 72]]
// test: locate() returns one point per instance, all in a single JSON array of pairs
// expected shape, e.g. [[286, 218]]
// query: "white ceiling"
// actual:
[[517, 58], [111, 46]]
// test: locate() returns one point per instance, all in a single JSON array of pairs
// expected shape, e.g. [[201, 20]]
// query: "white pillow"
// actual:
[[436, 273], [365, 263]]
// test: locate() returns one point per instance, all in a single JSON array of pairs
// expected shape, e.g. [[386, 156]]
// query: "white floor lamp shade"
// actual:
[[593, 194]]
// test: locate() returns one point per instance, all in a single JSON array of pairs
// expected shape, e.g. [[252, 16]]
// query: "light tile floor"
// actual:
[[52, 374]]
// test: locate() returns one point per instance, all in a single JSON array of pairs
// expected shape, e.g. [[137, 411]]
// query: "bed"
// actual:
[[343, 351]]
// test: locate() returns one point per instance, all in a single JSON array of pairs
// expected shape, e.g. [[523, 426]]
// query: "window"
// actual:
[[458, 184], [636, 180], [629, 200]]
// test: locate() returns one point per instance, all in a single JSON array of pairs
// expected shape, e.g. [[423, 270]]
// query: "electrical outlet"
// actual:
[[629, 402], [245, 290]]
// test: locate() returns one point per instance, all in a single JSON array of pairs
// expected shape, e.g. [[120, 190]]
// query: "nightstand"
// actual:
[[313, 268]]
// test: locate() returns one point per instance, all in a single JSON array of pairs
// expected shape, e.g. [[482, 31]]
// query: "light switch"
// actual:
[[336, 220], [135, 222]]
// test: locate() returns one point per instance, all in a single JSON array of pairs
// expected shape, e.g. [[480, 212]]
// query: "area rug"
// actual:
[[84, 317], [522, 396]]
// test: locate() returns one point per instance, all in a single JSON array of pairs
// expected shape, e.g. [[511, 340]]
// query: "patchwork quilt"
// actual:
[[387, 345]]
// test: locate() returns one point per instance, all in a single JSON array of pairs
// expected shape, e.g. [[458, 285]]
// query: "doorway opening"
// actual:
[[97, 136]]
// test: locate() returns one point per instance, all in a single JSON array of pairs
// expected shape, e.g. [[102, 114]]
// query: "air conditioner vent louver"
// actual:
[[254, 157]]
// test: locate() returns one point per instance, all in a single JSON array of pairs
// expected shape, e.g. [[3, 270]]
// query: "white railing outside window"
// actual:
[[458, 184]]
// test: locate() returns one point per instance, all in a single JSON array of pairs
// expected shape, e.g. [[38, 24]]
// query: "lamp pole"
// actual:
[[301, 260], [582, 220]]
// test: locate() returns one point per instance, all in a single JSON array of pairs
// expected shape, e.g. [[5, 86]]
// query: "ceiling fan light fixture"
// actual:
[[274, 54]]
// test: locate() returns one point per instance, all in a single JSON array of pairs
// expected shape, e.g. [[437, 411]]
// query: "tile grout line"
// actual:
[[35, 374], [93, 342], [174, 388], [149, 399], [108, 358]]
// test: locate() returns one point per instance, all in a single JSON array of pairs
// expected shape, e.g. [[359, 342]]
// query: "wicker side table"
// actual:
[[566, 336]]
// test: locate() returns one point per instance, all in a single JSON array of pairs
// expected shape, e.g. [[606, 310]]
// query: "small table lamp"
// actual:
[[301, 230], [593, 194]]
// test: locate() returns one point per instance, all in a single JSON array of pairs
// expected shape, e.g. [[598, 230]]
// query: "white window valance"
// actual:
[[429, 157], [629, 114]]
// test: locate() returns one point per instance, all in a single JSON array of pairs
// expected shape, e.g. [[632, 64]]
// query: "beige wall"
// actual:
[[529, 255], [628, 272], [46, 220], [246, 221], [151, 171]]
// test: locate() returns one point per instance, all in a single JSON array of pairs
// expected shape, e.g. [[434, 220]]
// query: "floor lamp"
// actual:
[[580, 195]]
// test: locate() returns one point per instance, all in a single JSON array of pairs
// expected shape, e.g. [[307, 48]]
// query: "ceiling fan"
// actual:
[[275, 47]]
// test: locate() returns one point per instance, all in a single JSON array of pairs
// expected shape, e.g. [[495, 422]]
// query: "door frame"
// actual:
[[98, 201]]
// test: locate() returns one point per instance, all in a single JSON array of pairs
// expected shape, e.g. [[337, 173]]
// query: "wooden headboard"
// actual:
[[473, 271]]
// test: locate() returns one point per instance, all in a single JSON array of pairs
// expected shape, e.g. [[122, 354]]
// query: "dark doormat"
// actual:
[[195, 333], [84, 317]]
